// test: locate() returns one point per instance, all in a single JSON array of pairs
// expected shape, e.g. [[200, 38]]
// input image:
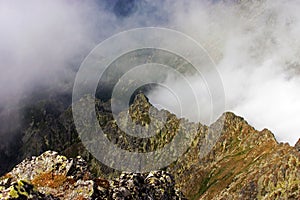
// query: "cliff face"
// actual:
[[242, 163]]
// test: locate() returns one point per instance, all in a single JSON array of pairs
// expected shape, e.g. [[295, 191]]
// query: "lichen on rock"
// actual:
[[52, 176]]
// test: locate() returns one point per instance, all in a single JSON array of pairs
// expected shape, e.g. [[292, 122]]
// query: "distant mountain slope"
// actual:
[[244, 164]]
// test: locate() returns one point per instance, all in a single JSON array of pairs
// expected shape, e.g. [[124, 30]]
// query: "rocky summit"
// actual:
[[228, 159]]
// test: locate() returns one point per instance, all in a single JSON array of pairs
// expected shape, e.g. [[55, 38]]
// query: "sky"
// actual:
[[255, 47]]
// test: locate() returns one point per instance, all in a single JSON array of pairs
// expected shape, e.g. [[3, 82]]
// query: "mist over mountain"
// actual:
[[254, 44]]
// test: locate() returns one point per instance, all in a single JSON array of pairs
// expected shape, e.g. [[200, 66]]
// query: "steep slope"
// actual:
[[244, 164]]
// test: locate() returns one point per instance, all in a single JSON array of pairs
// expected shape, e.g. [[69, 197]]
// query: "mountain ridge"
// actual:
[[237, 163]]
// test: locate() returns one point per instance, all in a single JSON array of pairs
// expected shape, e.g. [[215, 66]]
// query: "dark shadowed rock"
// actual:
[[297, 145]]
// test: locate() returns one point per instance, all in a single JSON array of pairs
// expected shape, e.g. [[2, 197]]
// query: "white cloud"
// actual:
[[256, 48]]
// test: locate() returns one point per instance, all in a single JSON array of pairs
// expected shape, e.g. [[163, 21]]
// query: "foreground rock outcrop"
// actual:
[[52, 176]]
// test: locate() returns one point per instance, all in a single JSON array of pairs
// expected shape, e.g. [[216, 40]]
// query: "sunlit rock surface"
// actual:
[[52, 176], [244, 164]]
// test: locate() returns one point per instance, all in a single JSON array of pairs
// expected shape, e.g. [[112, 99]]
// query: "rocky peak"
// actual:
[[139, 109], [243, 164]]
